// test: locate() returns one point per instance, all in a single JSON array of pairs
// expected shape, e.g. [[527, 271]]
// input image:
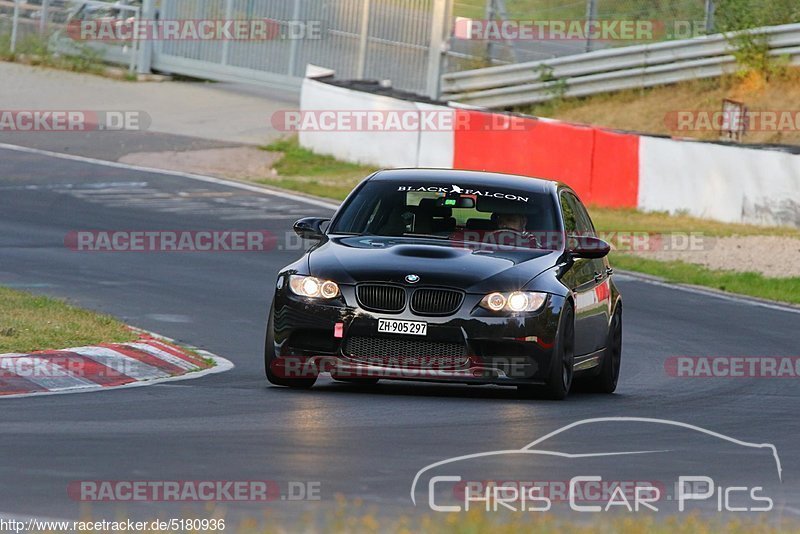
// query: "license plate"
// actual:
[[394, 326]]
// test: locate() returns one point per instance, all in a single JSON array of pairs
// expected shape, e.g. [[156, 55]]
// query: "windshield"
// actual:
[[487, 215]]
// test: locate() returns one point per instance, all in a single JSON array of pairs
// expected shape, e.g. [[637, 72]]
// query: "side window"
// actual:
[[576, 218], [585, 226], [568, 212]]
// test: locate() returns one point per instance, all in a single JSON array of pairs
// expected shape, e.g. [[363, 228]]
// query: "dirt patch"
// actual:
[[772, 256], [240, 163], [653, 110], [326, 177]]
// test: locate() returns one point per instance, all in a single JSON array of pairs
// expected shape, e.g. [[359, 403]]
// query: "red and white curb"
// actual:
[[149, 360]]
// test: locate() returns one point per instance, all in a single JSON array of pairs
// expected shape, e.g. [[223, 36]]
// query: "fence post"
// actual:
[[145, 59], [710, 7], [489, 16], [14, 24], [591, 16], [226, 43], [439, 24], [296, 42], [361, 67], [43, 18]]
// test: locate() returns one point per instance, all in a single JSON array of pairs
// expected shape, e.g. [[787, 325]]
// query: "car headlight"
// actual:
[[310, 286], [517, 301]]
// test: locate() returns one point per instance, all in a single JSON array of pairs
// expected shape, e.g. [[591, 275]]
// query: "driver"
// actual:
[[512, 221], [512, 230]]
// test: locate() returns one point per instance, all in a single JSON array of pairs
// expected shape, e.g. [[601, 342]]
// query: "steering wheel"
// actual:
[[521, 235]]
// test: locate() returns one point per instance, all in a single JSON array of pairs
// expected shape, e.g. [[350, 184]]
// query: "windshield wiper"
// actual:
[[430, 236], [359, 234]]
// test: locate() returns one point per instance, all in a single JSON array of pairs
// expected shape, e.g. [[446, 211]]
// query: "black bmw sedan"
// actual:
[[455, 276]]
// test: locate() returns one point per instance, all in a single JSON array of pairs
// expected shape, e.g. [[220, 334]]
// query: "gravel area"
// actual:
[[769, 255]]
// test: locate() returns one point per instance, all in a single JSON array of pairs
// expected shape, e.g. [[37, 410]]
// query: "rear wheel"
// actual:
[[562, 368], [606, 380], [270, 366]]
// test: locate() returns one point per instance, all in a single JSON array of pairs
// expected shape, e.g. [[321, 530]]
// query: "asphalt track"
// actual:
[[360, 443]]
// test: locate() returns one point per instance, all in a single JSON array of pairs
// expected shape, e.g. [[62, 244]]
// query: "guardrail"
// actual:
[[610, 70]]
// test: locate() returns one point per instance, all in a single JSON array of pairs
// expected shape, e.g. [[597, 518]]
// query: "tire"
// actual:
[[269, 358], [606, 380], [562, 368]]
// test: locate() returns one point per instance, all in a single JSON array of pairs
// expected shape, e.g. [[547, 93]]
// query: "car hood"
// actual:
[[353, 259]]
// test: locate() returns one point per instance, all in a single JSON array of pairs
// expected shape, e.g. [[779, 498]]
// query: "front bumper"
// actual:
[[471, 346]]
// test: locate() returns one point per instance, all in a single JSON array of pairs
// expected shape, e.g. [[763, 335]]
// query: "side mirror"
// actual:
[[587, 247], [310, 227]]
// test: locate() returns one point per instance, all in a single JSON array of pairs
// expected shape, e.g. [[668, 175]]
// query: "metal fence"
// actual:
[[373, 39], [397, 40], [22, 19], [123, 12]]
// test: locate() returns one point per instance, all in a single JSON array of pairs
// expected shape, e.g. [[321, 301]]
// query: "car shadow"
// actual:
[[389, 388]]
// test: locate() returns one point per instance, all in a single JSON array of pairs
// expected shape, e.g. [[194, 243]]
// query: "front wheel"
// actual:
[[270, 366], [562, 367], [606, 380]]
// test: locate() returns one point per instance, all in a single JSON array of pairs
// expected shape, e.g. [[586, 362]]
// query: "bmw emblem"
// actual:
[[412, 278]]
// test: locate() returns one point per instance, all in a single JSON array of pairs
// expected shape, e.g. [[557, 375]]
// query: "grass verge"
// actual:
[[30, 322], [34, 50], [475, 522], [751, 284], [302, 170], [631, 220], [353, 515]]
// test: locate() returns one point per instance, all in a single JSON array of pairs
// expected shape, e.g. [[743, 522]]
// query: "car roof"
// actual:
[[459, 177]]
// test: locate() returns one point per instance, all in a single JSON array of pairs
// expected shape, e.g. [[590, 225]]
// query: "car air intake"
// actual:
[[431, 301], [409, 353], [383, 298]]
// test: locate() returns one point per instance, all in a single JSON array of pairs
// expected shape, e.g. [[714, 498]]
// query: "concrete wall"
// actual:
[[718, 182], [606, 168], [378, 148]]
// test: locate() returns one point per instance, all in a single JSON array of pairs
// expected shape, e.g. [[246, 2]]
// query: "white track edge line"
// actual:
[[742, 299]]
